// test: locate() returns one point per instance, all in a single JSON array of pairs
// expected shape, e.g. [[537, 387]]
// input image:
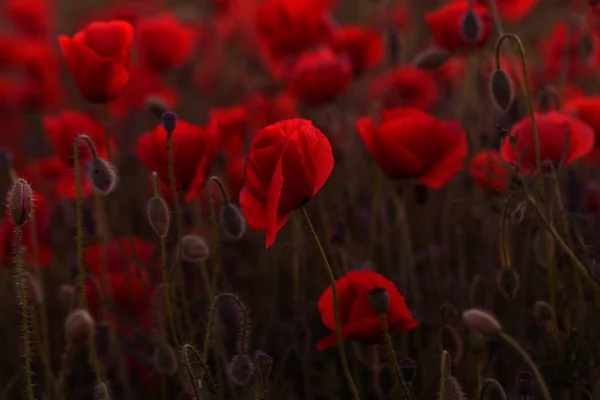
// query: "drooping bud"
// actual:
[[159, 216], [408, 369], [80, 328], [194, 249], [501, 89], [543, 311], [471, 26], [508, 282], [165, 359], [431, 58], [492, 390], [450, 341], [240, 369], [448, 314], [233, 221], [156, 105], [379, 300], [103, 176], [19, 201], [481, 321], [169, 121], [524, 382], [264, 363]]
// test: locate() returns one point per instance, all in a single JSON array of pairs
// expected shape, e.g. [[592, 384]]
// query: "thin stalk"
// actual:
[[64, 366], [106, 133], [392, 356], [261, 389], [209, 377], [443, 375], [215, 256], [336, 309]]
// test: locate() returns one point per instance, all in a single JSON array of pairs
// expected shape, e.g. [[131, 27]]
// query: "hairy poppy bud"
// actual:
[[194, 249], [524, 382], [20, 201], [165, 359], [508, 283], [492, 390], [471, 27], [431, 58], [543, 311], [501, 89], [240, 369], [481, 321], [379, 300], [79, 328], [159, 216], [103, 175], [408, 369], [233, 222], [156, 105], [65, 294], [453, 389], [169, 121], [264, 363]]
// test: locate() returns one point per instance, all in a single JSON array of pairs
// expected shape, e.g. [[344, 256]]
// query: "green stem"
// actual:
[[211, 316], [336, 309], [443, 375], [392, 356], [538, 375]]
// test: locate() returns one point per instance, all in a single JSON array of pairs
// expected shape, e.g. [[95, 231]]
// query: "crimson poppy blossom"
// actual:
[[406, 86], [98, 58], [232, 127], [410, 143], [446, 25], [489, 170], [31, 17], [358, 320], [513, 10], [363, 46], [287, 164], [553, 129], [194, 149], [587, 109]]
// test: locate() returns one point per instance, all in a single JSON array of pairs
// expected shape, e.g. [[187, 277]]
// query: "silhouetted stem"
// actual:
[[209, 377], [215, 255], [443, 374], [211, 316], [260, 392], [392, 356], [336, 310], [106, 132]]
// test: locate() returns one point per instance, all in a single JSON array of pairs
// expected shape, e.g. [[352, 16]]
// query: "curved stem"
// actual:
[[392, 356], [215, 258], [203, 365], [538, 375], [243, 332], [336, 309]]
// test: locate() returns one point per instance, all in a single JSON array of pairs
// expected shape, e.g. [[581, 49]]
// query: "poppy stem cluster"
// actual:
[[336, 308], [391, 353]]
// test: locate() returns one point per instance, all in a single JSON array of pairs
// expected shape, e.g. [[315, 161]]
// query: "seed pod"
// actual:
[[431, 58], [481, 321], [232, 221], [492, 390], [501, 89], [408, 369], [543, 311], [264, 363], [508, 282], [79, 328], [19, 201], [471, 27], [103, 176], [194, 249], [169, 121], [379, 300], [240, 369], [165, 359], [524, 382], [156, 105], [159, 216]]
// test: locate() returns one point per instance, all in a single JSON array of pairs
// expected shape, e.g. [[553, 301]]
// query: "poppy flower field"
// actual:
[[300, 199]]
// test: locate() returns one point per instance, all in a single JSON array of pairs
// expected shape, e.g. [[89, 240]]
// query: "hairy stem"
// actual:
[[389, 347]]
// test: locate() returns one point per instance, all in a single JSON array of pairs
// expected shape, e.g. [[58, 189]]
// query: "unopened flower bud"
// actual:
[[543, 311], [264, 363], [65, 294], [194, 249], [156, 106], [501, 89], [408, 369], [240, 369], [165, 359], [159, 216], [79, 328], [20, 201], [524, 382], [481, 321], [431, 58], [233, 221], [471, 27], [169, 121], [379, 300], [103, 176]]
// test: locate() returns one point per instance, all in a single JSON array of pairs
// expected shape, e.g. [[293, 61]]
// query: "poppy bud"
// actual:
[[475, 343], [379, 300], [169, 121], [65, 294], [264, 363], [431, 58], [156, 105], [408, 369], [194, 249], [165, 359], [543, 311], [233, 221], [103, 176], [492, 390], [240, 369], [518, 214], [450, 340], [471, 27], [102, 391], [501, 89], [453, 389], [481, 321], [79, 328], [20, 201], [159, 216], [524, 382], [421, 194], [508, 282]]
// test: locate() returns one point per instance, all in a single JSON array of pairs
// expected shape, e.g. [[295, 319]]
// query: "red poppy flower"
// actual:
[[411, 143], [513, 10], [446, 25], [194, 149], [553, 129], [451, 72], [319, 76], [363, 46], [357, 318], [98, 58], [232, 127], [398, 16], [165, 42], [31, 17], [587, 109], [490, 171], [287, 164], [406, 86]]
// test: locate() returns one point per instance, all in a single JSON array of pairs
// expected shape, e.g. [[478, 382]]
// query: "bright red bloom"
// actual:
[[513, 10], [446, 25], [30, 17], [413, 144], [319, 76], [287, 164], [232, 127], [363, 46], [553, 129], [358, 320], [490, 171], [98, 58], [587, 109], [194, 149], [165, 42], [406, 86]]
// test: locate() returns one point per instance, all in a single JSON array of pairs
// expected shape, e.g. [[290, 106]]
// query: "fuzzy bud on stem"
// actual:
[[481, 321], [79, 328], [19, 201], [501, 89], [103, 176], [169, 121], [159, 216], [379, 300]]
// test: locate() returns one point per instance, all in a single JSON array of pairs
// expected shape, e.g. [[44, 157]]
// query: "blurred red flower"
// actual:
[[411, 143], [446, 25], [119, 252], [98, 58], [587, 109], [513, 10], [406, 86], [553, 129], [490, 171], [194, 149], [232, 127], [287, 164], [30, 17], [357, 318], [363, 46], [165, 42], [266, 110]]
